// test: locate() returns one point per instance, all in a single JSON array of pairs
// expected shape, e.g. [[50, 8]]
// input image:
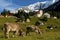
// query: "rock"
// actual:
[[42, 23], [28, 20], [55, 17], [47, 15], [51, 28]]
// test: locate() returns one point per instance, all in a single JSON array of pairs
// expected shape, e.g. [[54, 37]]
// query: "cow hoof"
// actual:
[[13, 36]]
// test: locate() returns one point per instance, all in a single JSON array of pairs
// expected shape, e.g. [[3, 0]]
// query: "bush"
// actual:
[[37, 23], [44, 18]]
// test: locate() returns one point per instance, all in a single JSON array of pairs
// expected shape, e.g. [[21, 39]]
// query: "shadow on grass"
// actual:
[[58, 38], [40, 38]]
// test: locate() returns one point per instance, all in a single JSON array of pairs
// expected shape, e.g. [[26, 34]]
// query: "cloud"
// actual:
[[53, 1], [7, 5]]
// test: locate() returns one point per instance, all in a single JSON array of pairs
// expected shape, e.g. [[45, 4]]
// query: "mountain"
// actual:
[[55, 7], [36, 6], [44, 4]]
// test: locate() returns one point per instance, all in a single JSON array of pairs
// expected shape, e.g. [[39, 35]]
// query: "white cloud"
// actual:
[[53, 1], [11, 6], [7, 5]]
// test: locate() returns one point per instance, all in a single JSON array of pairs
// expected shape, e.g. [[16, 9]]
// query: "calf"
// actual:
[[33, 29]]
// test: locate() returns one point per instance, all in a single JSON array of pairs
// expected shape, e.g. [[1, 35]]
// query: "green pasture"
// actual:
[[47, 34]]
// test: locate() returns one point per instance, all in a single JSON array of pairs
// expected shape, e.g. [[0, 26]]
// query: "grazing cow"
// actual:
[[12, 27], [33, 29], [51, 27]]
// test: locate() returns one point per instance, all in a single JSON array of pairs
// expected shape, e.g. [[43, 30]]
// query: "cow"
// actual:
[[33, 29], [12, 27]]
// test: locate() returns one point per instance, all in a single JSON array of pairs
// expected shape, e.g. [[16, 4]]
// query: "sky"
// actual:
[[14, 4]]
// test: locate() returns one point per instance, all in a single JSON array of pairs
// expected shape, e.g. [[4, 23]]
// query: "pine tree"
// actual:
[[5, 12]]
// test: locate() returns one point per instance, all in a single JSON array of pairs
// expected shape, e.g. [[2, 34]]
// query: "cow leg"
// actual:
[[14, 34], [21, 34], [39, 31], [7, 34], [36, 31], [27, 32]]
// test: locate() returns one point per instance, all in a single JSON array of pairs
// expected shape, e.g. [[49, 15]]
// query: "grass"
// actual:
[[46, 35]]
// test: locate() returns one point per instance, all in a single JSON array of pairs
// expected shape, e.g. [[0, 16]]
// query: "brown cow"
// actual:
[[13, 28], [33, 29]]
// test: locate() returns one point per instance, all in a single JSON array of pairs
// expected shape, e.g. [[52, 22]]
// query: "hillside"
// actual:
[[55, 7], [47, 34], [36, 6]]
